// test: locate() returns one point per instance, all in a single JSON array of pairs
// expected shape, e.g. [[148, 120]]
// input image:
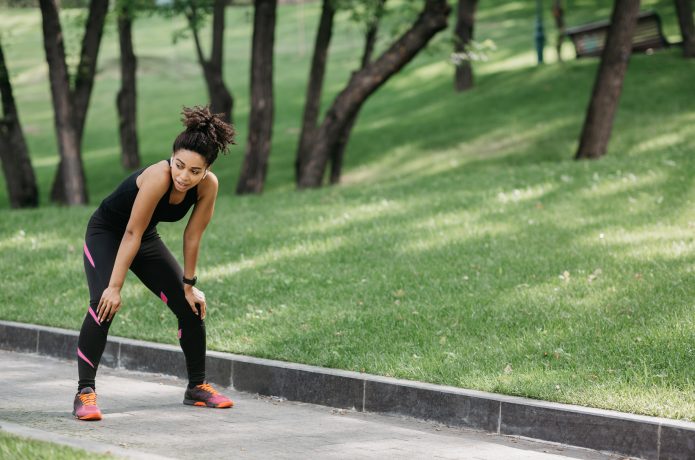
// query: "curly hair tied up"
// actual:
[[206, 133]]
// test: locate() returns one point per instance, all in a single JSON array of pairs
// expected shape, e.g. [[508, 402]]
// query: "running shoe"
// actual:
[[85, 405], [205, 395]]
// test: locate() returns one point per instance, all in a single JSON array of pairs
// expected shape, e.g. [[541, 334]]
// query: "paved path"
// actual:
[[144, 418]]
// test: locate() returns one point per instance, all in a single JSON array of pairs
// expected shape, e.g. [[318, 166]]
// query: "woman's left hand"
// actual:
[[195, 296]]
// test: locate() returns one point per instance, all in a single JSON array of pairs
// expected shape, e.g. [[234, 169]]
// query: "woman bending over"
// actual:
[[122, 234]]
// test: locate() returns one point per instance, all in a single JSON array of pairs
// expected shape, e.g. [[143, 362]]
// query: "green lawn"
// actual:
[[465, 247], [19, 448]]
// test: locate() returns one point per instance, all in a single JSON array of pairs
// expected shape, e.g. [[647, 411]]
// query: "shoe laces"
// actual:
[[89, 399], [208, 388]]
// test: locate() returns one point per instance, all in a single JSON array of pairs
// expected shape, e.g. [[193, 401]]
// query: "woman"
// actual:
[[122, 234]]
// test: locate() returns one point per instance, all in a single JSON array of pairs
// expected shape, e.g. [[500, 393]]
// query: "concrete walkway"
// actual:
[[144, 418]]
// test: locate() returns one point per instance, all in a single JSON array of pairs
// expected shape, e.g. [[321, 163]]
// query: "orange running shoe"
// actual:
[[85, 405], [206, 396]]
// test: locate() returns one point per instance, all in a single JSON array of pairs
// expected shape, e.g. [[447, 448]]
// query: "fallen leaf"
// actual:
[[594, 275]]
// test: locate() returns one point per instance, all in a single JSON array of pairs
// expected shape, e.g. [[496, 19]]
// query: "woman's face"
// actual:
[[187, 169]]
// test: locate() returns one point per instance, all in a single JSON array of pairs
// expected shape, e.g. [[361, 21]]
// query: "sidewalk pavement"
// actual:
[[144, 418]]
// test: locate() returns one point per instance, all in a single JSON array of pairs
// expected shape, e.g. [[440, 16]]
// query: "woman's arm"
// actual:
[[202, 213], [153, 185]]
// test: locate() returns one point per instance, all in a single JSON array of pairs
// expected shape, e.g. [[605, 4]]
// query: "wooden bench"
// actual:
[[589, 38]]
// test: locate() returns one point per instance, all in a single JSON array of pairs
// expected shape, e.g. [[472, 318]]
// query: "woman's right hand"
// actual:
[[109, 303]]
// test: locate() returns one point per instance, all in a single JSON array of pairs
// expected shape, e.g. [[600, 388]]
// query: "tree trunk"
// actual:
[[338, 150], [84, 80], [365, 82], [71, 189], [315, 86], [14, 155], [253, 171], [559, 16], [463, 35], [126, 100], [684, 9], [609, 80], [221, 100]]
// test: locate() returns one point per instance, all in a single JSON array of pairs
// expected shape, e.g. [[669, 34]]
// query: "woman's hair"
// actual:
[[206, 133]]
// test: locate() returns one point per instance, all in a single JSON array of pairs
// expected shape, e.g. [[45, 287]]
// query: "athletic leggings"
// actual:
[[157, 268]]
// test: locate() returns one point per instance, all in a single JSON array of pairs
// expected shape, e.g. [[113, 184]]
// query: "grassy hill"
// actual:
[[465, 245]]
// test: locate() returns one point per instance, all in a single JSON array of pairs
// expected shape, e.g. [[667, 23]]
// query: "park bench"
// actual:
[[589, 38]]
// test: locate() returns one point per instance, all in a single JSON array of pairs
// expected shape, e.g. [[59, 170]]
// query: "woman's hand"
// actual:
[[109, 303], [195, 296]]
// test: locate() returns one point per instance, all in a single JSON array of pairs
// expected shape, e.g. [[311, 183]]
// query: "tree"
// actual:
[[559, 16], [14, 155], [312, 101], [463, 35], [362, 84], [609, 80], [684, 9], [260, 129], [196, 11], [338, 150], [70, 104], [126, 100]]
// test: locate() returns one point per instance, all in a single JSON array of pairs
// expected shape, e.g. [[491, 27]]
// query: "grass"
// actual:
[[465, 247], [19, 448]]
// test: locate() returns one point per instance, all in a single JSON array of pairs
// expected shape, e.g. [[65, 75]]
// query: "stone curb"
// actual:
[[603, 430]]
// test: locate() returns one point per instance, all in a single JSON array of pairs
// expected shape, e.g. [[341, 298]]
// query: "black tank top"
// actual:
[[115, 209]]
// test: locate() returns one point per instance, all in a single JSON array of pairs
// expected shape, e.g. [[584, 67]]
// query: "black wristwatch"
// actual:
[[190, 282]]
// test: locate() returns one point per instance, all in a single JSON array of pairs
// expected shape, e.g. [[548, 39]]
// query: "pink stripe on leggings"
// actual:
[[163, 297], [179, 334], [89, 256], [81, 355], [94, 315]]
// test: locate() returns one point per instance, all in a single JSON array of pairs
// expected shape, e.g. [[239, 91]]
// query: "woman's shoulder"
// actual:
[[157, 174], [208, 186]]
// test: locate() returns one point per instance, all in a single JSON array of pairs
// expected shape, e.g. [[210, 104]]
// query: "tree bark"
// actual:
[[365, 82], [559, 16], [221, 100], [71, 188], [126, 100], [254, 169], [598, 124], [84, 80], [463, 35], [684, 9], [338, 150], [14, 155], [315, 86]]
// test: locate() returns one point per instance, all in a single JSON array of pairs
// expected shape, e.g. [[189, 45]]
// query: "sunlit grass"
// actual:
[[464, 247], [20, 448]]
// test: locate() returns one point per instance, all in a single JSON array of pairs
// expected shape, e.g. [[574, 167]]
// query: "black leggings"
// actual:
[[160, 272]]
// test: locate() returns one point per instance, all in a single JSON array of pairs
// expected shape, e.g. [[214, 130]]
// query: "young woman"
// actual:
[[122, 234]]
